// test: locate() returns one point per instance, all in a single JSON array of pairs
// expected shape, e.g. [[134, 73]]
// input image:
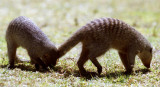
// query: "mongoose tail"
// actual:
[[70, 43]]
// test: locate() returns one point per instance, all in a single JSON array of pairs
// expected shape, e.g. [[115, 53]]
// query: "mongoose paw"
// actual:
[[45, 68], [99, 70], [51, 66], [89, 74], [128, 72], [84, 73], [41, 68], [10, 66], [37, 66]]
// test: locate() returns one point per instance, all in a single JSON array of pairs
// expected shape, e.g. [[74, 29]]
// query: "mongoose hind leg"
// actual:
[[96, 63], [97, 50], [83, 58], [11, 54]]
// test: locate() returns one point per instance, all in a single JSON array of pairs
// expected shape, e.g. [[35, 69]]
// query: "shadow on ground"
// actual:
[[76, 73], [24, 67], [91, 75]]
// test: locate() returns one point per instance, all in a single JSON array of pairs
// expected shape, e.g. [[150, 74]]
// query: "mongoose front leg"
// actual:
[[131, 59], [37, 61], [41, 63], [96, 63], [128, 60], [124, 60], [35, 64], [11, 54], [83, 58]]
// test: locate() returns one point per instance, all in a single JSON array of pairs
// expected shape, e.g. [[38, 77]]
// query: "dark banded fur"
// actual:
[[23, 32], [99, 35]]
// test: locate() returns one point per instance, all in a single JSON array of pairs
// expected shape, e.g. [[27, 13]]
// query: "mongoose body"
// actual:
[[23, 32], [99, 35]]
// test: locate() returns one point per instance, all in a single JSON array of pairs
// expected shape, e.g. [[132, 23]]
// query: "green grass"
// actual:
[[58, 19]]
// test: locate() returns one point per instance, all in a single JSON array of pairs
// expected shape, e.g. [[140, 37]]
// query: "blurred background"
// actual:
[[66, 14]]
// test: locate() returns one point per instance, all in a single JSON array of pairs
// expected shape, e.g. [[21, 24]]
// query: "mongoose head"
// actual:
[[146, 56], [50, 57]]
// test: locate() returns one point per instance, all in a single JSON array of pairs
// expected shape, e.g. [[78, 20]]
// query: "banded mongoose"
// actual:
[[99, 35], [25, 33]]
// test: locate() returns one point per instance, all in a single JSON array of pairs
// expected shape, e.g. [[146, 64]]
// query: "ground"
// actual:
[[58, 19]]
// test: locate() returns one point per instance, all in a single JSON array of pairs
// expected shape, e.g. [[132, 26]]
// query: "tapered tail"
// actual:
[[70, 43]]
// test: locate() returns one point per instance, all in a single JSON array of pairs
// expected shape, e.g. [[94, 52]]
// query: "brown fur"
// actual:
[[23, 32], [99, 35]]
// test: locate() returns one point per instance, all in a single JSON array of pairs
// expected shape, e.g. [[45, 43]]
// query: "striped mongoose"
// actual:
[[99, 35], [23, 32]]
